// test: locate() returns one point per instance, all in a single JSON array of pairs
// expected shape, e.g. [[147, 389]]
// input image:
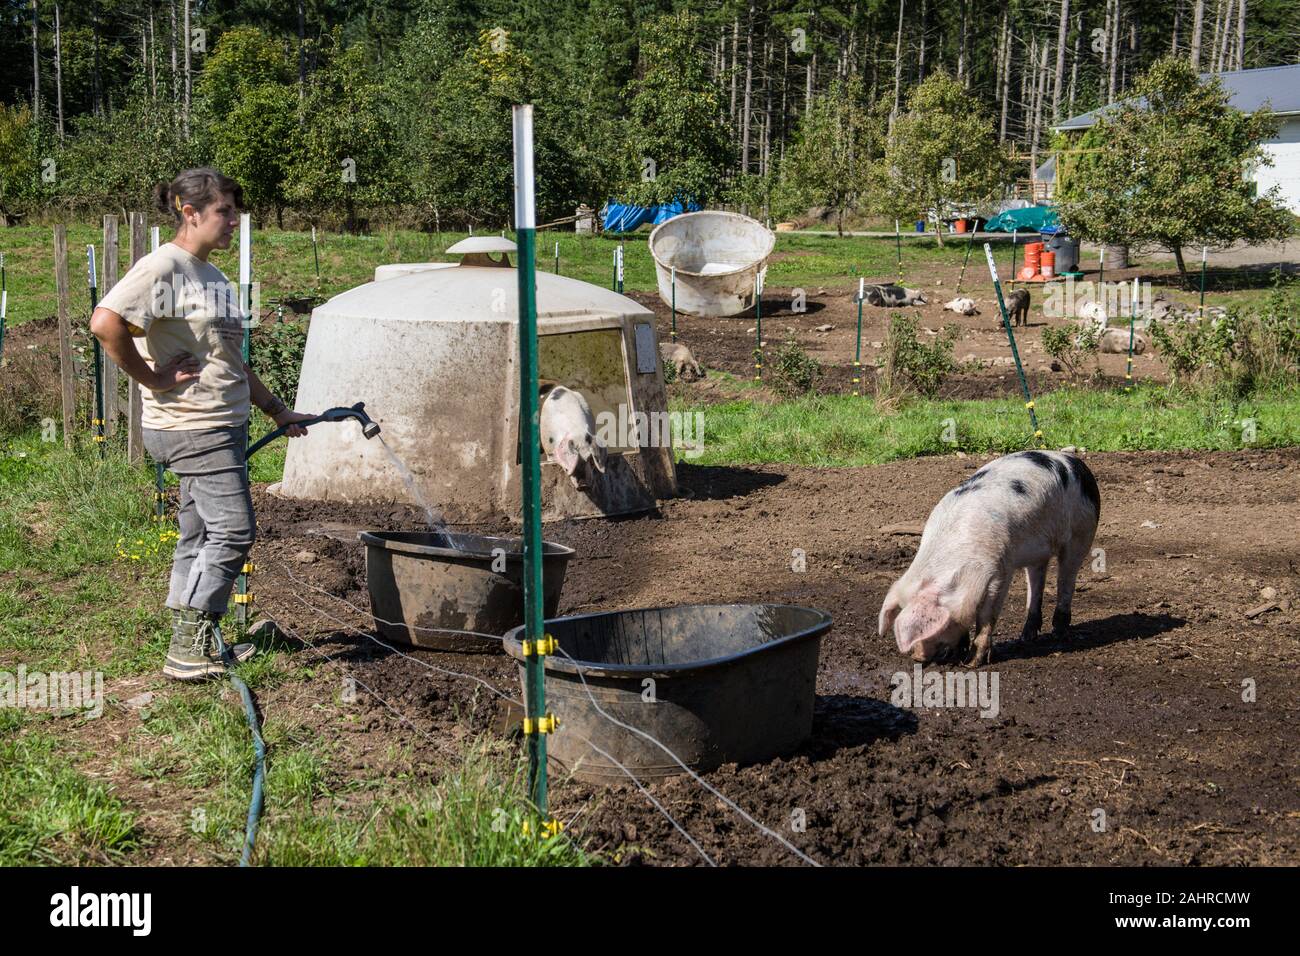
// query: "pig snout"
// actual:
[[925, 630]]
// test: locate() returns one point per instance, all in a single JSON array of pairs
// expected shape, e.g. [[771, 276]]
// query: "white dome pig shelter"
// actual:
[[434, 354], [717, 256]]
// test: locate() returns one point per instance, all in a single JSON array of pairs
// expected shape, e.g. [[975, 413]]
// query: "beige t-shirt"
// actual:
[[175, 302]]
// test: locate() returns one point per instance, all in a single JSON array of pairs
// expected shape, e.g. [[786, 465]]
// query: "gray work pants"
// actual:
[[216, 512]]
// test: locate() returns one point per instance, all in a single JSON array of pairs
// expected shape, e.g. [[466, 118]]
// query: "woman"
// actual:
[[194, 403]]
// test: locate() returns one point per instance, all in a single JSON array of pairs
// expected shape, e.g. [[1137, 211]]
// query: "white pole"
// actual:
[[155, 238], [90, 266], [862, 288], [245, 264]]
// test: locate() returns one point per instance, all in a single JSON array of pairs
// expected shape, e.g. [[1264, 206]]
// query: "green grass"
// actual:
[[283, 262], [50, 812], [835, 430]]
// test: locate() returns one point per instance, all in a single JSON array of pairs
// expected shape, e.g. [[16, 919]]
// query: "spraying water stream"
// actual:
[[434, 518]]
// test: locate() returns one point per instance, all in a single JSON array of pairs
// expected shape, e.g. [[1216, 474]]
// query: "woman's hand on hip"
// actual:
[[177, 370], [290, 417]]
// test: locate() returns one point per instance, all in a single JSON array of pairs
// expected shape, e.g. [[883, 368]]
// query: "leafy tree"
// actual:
[[942, 155], [244, 58], [344, 155], [19, 167], [678, 145], [1170, 168], [114, 161], [254, 144], [826, 165]]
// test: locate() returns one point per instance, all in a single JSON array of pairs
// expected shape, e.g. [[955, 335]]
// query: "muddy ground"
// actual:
[[1139, 714], [982, 353]]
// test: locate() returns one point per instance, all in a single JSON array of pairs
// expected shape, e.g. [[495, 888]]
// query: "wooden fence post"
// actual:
[[66, 374], [134, 437], [108, 279]]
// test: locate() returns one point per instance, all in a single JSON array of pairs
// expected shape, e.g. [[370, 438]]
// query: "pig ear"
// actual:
[[888, 612], [596, 453], [566, 453]]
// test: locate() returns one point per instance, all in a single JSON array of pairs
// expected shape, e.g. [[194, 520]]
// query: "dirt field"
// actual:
[[1140, 714], [986, 367]]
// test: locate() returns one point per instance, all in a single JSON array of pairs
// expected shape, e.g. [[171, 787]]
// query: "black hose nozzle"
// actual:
[[369, 428]]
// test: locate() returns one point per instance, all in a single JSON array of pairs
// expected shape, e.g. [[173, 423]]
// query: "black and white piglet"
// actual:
[[1018, 511]]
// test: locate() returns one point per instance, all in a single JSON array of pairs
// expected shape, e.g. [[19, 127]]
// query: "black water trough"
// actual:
[[440, 590], [714, 683]]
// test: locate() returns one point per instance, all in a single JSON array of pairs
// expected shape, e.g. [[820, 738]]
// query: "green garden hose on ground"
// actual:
[[370, 429]]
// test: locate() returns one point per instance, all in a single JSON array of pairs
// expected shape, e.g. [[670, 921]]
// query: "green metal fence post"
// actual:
[[537, 723], [242, 596], [1015, 352], [857, 350], [1201, 315]]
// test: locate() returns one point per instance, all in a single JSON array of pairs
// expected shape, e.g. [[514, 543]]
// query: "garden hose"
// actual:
[[370, 429], [259, 751]]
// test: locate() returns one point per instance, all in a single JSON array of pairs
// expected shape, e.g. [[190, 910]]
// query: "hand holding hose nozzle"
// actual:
[[369, 428]]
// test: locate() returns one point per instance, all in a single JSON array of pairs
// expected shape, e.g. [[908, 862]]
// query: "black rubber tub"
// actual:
[[440, 590], [713, 683]]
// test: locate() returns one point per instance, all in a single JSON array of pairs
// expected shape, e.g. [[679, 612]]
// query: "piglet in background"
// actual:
[[568, 432], [1018, 511], [892, 296], [1018, 307]]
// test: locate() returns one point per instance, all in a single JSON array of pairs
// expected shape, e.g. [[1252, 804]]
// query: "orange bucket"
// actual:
[[1049, 264], [1033, 256], [959, 225]]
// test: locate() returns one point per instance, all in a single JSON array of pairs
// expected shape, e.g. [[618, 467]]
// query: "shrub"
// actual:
[[794, 371], [1071, 347], [277, 357], [907, 366], [1238, 353]]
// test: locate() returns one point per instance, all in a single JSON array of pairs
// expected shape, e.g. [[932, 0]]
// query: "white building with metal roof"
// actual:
[[1275, 87]]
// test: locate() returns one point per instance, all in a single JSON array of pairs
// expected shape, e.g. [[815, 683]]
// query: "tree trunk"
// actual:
[[766, 162], [58, 65], [1105, 52], [749, 85], [1028, 77], [1177, 250], [1061, 32], [1227, 35], [961, 45], [96, 85], [1178, 22], [153, 60], [185, 109], [176, 76], [735, 45], [36, 63], [302, 53], [920, 66], [1039, 101], [785, 83], [1006, 77], [898, 67], [1241, 35], [1074, 62], [1198, 23], [1114, 53]]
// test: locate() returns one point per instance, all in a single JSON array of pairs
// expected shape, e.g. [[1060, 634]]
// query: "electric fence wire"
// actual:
[[767, 831], [288, 575]]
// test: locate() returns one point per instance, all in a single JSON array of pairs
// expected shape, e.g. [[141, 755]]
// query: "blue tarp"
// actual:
[[1031, 219], [624, 217]]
